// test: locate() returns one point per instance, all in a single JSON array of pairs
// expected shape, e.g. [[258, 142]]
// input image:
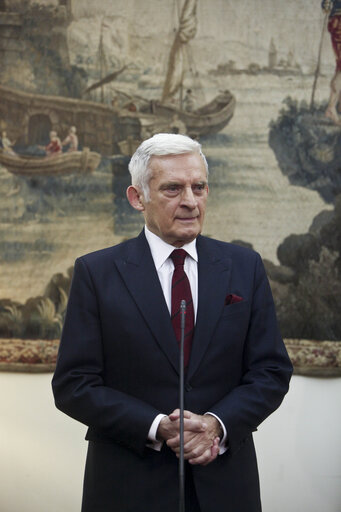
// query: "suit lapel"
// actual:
[[213, 277], [139, 274]]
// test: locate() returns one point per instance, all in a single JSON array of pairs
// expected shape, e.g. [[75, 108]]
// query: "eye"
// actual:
[[172, 189], [199, 188]]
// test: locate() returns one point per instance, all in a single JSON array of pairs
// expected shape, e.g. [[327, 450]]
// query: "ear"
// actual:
[[135, 198]]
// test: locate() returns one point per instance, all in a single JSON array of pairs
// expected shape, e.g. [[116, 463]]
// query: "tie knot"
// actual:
[[178, 257]]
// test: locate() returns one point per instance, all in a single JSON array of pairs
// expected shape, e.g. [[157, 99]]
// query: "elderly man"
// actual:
[[118, 365]]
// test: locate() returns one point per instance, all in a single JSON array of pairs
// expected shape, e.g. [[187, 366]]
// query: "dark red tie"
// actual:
[[181, 290]]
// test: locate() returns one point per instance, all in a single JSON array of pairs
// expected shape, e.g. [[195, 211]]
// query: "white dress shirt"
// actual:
[[161, 252]]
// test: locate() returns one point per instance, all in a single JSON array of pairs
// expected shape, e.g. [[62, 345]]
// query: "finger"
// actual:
[[202, 459], [209, 460], [198, 446], [215, 447], [214, 452], [175, 415], [196, 453], [199, 441], [206, 458], [195, 425], [174, 442]]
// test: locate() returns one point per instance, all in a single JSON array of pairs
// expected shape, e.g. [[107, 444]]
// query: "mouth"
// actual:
[[187, 219]]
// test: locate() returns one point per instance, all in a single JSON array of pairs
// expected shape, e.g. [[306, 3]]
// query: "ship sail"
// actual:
[[176, 63]]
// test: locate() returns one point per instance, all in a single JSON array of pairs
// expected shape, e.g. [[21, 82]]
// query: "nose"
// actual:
[[188, 198]]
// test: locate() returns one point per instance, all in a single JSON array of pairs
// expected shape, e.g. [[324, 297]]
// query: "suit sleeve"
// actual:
[[78, 385], [266, 368]]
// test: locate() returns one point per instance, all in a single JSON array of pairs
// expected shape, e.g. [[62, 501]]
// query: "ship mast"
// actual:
[[177, 56], [102, 61]]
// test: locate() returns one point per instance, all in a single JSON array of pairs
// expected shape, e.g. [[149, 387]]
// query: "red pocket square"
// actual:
[[231, 298]]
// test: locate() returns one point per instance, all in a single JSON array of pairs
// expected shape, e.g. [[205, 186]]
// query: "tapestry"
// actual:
[[257, 82]]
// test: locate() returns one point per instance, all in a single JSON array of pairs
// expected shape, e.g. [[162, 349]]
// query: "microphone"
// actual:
[[181, 407]]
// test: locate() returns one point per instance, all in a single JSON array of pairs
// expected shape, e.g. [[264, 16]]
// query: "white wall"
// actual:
[[299, 449], [42, 451]]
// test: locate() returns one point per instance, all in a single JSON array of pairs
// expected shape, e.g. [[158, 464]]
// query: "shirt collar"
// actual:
[[161, 250]]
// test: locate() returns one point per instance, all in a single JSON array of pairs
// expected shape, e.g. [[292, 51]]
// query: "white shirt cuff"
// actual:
[[154, 443], [222, 445]]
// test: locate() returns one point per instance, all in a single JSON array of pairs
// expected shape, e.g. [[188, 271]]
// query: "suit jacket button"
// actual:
[[188, 387]]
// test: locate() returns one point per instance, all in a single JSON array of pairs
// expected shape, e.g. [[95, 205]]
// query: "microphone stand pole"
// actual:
[[181, 395]]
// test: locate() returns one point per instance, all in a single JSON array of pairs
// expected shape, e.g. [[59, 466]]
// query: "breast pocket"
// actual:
[[239, 308]]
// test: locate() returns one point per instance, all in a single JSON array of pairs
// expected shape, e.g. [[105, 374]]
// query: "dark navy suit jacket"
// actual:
[[118, 367]]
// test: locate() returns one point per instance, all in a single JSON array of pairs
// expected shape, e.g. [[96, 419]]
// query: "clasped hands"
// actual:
[[201, 436]]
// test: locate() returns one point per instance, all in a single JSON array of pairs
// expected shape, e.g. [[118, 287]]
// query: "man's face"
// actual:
[[178, 195]]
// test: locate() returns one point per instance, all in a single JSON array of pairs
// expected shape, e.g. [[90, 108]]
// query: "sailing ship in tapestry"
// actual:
[[82, 84], [124, 114]]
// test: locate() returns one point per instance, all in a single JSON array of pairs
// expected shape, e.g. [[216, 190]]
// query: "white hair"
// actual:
[[161, 144]]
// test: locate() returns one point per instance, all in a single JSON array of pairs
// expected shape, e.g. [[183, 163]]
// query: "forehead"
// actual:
[[187, 166]]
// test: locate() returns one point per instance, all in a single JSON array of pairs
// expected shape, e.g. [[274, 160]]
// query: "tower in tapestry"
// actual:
[[33, 38]]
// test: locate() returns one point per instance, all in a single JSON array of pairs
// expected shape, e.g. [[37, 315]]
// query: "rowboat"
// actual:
[[76, 162]]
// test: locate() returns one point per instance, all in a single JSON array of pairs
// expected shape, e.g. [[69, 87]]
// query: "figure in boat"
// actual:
[[54, 147], [71, 140], [6, 144], [189, 101], [333, 7]]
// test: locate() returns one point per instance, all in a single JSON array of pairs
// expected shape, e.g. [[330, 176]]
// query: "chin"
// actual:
[[188, 236]]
